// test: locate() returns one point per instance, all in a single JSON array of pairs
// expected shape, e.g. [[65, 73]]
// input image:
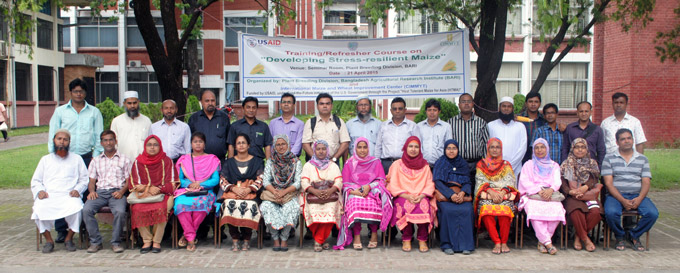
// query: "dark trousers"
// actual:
[[240, 233], [387, 163], [4, 133]]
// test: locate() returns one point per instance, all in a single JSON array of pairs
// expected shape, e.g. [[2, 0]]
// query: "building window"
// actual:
[[342, 17], [134, 36], [3, 80], [97, 32], [251, 25], [232, 86], [45, 83], [419, 23], [514, 25], [61, 84], [64, 34], [45, 29], [146, 84], [574, 28], [47, 8], [22, 76], [566, 85], [107, 86], [4, 29], [23, 24], [508, 83]]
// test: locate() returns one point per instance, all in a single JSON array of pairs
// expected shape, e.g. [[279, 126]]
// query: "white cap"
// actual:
[[130, 94], [507, 99], [361, 97]]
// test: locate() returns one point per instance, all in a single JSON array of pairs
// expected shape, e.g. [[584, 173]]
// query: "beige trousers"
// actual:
[[155, 233]]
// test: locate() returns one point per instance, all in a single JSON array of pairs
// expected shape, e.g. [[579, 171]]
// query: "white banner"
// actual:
[[431, 65]]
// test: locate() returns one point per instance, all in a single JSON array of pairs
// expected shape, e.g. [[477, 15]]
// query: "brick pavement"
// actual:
[[18, 252]]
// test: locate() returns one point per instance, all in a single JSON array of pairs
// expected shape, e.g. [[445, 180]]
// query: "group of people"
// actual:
[[453, 176]]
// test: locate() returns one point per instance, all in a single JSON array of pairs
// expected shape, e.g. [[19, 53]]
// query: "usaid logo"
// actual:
[[255, 42], [252, 42]]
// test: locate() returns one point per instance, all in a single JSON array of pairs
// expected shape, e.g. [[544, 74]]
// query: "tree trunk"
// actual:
[[191, 61], [494, 14]]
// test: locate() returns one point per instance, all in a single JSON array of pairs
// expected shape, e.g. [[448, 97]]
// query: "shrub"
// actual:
[[151, 110], [519, 100], [193, 105], [449, 110], [109, 111], [347, 109]]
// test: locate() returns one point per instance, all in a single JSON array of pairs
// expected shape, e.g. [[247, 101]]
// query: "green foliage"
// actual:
[[449, 110], [151, 110], [193, 105], [109, 111], [668, 42], [347, 109], [519, 100]]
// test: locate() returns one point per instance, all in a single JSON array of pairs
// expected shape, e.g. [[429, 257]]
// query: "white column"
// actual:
[[527, 29], [122, 58], [74, 30]]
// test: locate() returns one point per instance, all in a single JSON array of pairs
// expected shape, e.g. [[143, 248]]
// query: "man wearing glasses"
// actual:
[[393, 133], [288, 124]]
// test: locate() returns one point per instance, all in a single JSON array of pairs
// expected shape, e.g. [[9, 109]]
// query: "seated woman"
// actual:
[[580, 185], [321, 204], [411, 185], [152, 174], [240, 183], [495, 195], [198, 171], [366, 198], [454, 189], [281, 181], [539, 186]]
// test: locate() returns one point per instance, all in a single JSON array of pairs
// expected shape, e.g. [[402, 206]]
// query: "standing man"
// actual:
[[627, 176], [174, 133], [471, 132], [328, 127], [82, 120], [257, 131], [393, 134], [587, 130], [57, 186], [550, 132], [532, 103], [131, 127], [434, 131], [621, 119], [108, 173], [213, 124], [4, 119], [363, 125], [513, 134], [288, 124]]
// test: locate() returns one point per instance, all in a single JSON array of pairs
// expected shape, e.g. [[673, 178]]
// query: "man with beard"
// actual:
[[511, 133], [363, 125], [57, 185], [213, 124], [288, 124], [471, 132], [131, 127], [174, 133], [584, 128]]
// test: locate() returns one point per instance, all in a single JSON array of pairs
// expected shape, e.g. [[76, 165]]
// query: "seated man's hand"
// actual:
[[74, 193], [92, 196], [118, 194], [42, 195], [635, 203]]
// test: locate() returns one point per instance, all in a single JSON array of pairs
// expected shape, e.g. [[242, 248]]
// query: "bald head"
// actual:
[[169, 109]]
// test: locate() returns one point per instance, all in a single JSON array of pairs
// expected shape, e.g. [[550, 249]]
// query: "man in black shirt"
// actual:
[[214, 124], [257, 130]]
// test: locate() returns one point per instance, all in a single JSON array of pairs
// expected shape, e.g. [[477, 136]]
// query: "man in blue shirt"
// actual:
[[174, 133], [550, 132], [213, 123], [363, 125]]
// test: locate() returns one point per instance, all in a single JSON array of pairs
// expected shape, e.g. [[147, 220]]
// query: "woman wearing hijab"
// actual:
[[411, 185], [539, 180], [240, 185], [198, 171], [281, 181], [366, 198], [321, 205], [580, 185], [152, 174], [455, 214], [495, 195]]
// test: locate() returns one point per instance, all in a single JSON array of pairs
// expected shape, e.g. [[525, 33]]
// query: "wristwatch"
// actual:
[[361, 190], [334, 159]]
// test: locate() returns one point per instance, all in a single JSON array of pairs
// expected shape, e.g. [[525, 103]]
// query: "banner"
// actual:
[[431, 65]]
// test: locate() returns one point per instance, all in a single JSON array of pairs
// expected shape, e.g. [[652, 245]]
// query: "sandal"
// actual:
[[552, 250], [620, 244], [496, 249], [191, 247], [422, 246], [317, 247], [637, 245], [372, 245], [326, 246], [590, 247], [505, 248], [235, 247], [357, 246], [245, 246], [577, 245], [406, 246], [182, 242], [542, 249]]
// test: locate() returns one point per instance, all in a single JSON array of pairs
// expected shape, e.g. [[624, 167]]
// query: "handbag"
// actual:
[[3, 126], [269, 196], [244, 184], [456, 189], [508, 196], [556, 196], [322, 185], [189, 192], [135, 197]]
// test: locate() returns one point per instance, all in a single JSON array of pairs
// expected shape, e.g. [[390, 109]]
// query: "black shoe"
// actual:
[[70, 246], [48, 247], [155, 250], [276, 248], [284, 249], [145, 250], [60, 238]]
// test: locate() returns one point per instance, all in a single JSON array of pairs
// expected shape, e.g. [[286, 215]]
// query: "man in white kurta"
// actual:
[[131, 127], [57, 186], [513, 135]]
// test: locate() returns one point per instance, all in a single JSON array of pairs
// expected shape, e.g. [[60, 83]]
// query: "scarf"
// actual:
[[414, 163], [204, 166], [579, 169], [319, 163], [451, 169], [542, 166], [147, 159], [283, 164], [492, 166], [362, 168]]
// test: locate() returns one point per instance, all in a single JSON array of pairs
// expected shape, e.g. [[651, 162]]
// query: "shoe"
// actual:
[[94, 248], [155, 250], [284, 249], [60, 237], [70, 246], [48, 247], [6, 139], [466, 252], [145, 250], [448, 251], [117, 248], [276, 248]]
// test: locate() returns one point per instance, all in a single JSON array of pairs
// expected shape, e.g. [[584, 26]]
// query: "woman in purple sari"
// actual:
[[366, 198]]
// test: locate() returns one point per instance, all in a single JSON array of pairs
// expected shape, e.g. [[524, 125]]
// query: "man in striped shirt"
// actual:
[[551, 132], [471, 133], [627, 177]]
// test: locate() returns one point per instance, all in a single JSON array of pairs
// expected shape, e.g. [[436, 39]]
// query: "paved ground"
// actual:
[[18, 252], [22, 141]]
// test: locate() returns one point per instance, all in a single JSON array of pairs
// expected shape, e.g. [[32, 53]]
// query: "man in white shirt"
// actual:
[[393, 133], [363, 125], [619, 120], [174, 133], [131, 127], [434, 131], [513, 134], [57, 185]]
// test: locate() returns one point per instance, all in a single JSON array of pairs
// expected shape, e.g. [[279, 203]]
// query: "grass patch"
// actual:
[[29, 130], [19, 164], [665, 168]]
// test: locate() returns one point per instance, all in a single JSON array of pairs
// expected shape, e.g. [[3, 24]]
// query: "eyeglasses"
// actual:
[[287, 102], [397, 108], [78, 91]]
